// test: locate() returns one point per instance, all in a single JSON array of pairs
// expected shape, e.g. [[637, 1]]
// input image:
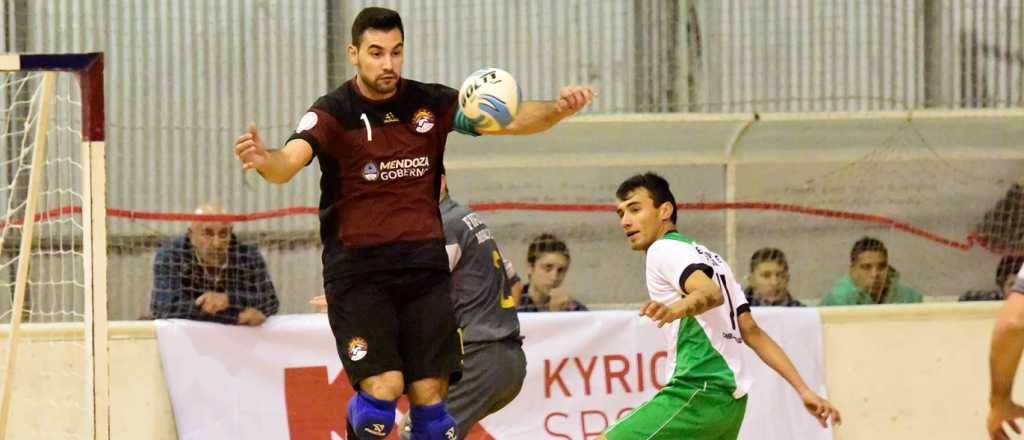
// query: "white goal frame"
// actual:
[[88, 70]]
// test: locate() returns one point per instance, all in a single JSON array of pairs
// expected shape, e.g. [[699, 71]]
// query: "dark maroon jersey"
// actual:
[[381, 165]]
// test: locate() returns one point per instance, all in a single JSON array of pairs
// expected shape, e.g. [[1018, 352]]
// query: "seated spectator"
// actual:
[[207, 275], [871, 280], [1006, 274], [547, 259], [769, 280]]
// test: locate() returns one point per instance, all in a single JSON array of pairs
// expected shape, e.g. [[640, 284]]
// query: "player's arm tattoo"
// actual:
[[699, 302], [702, 294]]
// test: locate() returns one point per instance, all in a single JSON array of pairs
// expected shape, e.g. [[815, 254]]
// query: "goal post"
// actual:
[[51, 110], [45, 97]]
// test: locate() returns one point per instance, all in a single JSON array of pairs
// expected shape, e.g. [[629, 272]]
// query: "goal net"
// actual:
[[940, 189], [52, 303]]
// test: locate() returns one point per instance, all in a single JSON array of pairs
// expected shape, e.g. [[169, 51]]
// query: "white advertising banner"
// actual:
[[585, 369]]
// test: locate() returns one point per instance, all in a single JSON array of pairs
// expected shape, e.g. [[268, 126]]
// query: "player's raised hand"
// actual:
[[250, 149], [573, 98], [1005, 412], [820, 408]]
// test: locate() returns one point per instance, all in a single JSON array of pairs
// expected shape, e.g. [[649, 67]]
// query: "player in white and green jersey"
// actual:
[[696, 300]]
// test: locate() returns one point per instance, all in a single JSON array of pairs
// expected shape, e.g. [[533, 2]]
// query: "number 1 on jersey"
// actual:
[[369, 131]]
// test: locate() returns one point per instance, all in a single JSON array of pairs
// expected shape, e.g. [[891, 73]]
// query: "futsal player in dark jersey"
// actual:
[[380, 142]]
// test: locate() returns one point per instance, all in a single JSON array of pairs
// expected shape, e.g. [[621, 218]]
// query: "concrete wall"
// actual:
[[896, 372], [49, 392], [910, 372]]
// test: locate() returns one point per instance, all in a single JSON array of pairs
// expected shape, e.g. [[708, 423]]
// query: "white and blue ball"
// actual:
[[490, 98]]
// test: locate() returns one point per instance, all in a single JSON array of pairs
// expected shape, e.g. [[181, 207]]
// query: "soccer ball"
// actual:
[[490, 98]]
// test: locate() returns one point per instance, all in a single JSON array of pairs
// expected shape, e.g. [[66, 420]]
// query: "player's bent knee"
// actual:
[[388, 385], [371, 418], [429, 391], [432, 422]]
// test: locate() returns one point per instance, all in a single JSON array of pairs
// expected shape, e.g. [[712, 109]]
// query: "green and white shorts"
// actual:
[[683, 413]]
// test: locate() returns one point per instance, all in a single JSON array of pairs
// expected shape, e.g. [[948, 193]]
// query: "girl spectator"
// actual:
[[547, 260]]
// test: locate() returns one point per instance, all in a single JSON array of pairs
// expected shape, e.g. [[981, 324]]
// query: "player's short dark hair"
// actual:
[[544, 244], [654, 184], [1008, 266], [768, 254], [866, 244], [381, 19]]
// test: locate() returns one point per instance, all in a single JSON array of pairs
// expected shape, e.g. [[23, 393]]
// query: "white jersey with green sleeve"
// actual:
[[705, 350]]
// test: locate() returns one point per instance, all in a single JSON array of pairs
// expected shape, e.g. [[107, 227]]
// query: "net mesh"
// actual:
[[55, 292], [241, 261], [941, 194], [944, 218], [51, 351]]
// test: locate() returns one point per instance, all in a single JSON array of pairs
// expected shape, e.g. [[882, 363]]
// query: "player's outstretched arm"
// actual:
[[772, 354], [702, 295], [1007, 343], [277, 166], [537, 116]]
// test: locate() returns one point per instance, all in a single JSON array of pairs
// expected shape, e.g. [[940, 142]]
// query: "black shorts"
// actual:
[[395, 321]]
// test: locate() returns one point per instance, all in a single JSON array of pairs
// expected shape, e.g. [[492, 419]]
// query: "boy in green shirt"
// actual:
[[871, 280]]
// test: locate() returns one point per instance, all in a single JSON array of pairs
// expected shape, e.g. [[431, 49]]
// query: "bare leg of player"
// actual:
[[428, 391], [385, 386], [427, 413], [371, 412]]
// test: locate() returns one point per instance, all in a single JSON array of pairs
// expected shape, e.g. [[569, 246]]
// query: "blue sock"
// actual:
[[371, 417], [432, 422]]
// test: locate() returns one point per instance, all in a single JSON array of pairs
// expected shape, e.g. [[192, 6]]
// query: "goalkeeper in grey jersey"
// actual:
[[485, 292]]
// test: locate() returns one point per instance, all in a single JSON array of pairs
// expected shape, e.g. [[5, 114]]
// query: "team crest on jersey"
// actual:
[[357, 348], [390, 118], [423, 120], [370, 172]]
